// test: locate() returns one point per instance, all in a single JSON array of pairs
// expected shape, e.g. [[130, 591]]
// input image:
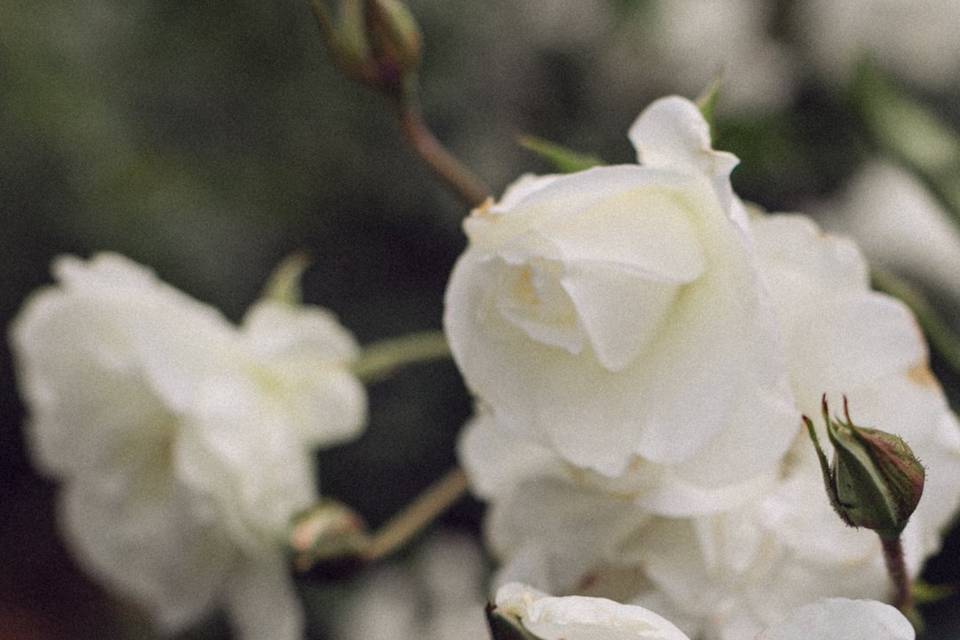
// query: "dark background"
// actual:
[[208, 139]]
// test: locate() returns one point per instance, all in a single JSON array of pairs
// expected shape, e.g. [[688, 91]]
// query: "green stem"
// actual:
[[380, 359], [940, 334]]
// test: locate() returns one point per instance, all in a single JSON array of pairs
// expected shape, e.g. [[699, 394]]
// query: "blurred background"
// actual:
[[209, 139]]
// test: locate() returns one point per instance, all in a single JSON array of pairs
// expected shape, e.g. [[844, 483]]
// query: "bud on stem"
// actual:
[[375, 42], [875, 481]]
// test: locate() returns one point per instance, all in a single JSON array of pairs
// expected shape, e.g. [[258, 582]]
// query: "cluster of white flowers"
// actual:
[[183, 442], [642, 348]]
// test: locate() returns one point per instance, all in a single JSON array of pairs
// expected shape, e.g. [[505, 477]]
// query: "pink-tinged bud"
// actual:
[[329, 531], [875, 482]]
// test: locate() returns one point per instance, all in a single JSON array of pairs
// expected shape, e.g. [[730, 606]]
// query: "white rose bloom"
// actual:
[[899, 225], [615, 318], [183, 442], [585, 618], [437, 596], [580, 618], [841, 619], [916, 40], [726, 576]]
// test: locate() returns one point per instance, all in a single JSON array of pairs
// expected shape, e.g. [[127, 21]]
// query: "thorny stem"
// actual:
[[461, 180], [897, 569], [442, 495]]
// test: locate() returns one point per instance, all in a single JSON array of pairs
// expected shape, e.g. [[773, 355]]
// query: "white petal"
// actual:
[[582, 618], [496, 458], [841, 619], [275, 330], [144, 537], [261, 601], [238, 451], [839, 335], [90, 405], [672, 134], [569, 528]]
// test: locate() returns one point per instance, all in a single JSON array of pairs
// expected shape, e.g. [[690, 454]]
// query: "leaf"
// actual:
[[912, 132], [564, 160], [926, 593]]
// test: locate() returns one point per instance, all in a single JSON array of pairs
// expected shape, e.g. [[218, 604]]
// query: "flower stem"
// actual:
[[381, 359], [897, 569], [460, 179], [439, 497]]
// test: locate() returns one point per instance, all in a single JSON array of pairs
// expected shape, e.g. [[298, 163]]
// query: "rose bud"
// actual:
[[876, 481]]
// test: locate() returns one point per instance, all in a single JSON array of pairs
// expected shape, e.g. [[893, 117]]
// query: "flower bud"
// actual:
[[375, 42], [329, 531], [876, 481]]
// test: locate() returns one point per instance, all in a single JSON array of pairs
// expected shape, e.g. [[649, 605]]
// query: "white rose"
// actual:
[[726, 576], [580, 618], [842, 619], [615, 317], [183, 443]]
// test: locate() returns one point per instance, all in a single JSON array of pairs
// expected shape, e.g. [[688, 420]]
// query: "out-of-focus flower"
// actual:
[[900, 226], [916, 40], [841, 619], [183, 442], [580, 618], [439, 596], [615, 318], [695, 40]]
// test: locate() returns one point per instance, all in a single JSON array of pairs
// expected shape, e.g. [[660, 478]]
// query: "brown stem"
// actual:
[[417, 515], [461, 180], [897, 569]]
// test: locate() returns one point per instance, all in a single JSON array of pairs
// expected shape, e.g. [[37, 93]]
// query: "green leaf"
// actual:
[[564, 160], [926, 593]]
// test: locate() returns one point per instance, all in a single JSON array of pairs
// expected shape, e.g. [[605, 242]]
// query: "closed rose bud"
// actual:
[[375, 42], [876, 481]]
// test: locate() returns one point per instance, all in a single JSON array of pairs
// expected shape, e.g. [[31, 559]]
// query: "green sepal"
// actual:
[[707, 101], [283, 285], [564, 160]]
